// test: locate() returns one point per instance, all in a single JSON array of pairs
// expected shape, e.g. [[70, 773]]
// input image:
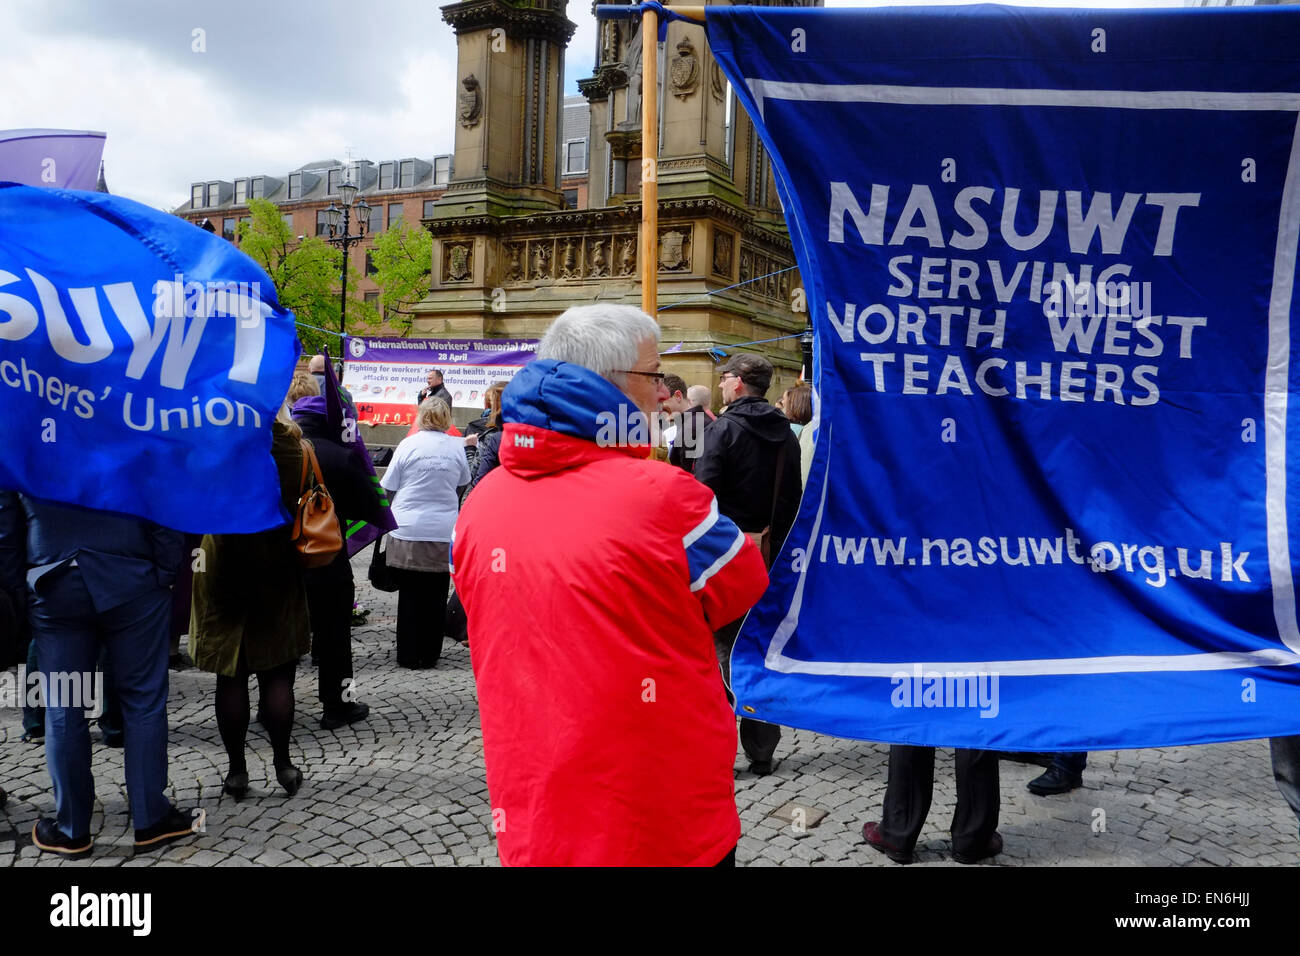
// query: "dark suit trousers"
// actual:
[[911, 787], [757, 739], [330, 595]]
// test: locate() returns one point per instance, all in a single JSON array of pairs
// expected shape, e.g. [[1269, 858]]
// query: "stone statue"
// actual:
[[469, 102], [634, 77]]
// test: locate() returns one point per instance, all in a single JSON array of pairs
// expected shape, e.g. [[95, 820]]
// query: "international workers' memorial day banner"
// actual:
[[386, 375], [141, 362], [1051, 258]]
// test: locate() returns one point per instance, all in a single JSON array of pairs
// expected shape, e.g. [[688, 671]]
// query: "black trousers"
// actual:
[[757, 738], [331, 592], [421, 616], [911, 788]]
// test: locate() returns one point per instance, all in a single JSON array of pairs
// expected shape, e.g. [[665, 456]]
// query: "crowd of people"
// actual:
[[603, 592]]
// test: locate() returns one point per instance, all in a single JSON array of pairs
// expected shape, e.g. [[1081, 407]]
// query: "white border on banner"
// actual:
[[1276, 379]]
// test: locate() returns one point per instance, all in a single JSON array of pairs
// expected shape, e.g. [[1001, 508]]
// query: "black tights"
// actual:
[[275, 692]]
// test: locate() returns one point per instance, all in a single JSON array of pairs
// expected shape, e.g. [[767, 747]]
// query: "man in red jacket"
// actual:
[[593, 581]]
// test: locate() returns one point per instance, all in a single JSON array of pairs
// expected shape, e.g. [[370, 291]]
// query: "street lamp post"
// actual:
[[806, 345], [338, 221]]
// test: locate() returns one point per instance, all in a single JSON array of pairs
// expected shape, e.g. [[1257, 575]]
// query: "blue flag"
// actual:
[[1050, 257], [142, 361]]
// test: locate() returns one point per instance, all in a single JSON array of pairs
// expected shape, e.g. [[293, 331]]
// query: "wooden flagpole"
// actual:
[[650, 163]]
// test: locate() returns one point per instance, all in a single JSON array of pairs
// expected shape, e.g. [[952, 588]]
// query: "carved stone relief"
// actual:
[[722, 248], [675, 250], [627, 256], [514, 262], [541, 255], [684, 70], [598, 264], [457, 262]]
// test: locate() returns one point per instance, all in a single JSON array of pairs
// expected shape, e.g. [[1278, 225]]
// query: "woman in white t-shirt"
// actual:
[[423, 481]]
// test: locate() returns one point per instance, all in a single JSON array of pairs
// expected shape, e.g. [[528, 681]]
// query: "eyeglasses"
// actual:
[[657, 376], [725, 375]]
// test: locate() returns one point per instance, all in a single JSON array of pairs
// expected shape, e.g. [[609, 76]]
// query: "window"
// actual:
[[442, 170], [259, 188], [408, 173], [387, 171], [228, 229], [214, 194], [575, 156], [295, 185], [332, 184], [241, 191], [570, 199], [196, 196], [376, 223], [244, 219], [394, 213], [372, 300], [287, 219], [370, 266], [322, 227], [428, 209]]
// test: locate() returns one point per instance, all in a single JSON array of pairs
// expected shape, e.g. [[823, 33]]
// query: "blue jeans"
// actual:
[[33, 717], [1286, 768], [70, 633]]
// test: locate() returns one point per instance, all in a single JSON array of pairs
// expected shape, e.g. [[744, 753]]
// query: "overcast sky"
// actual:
[[280, 83]]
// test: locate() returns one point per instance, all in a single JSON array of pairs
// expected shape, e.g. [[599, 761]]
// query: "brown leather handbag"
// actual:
[[316, 531]]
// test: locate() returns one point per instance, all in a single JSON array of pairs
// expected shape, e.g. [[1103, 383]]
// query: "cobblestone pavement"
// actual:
[[407, 788]]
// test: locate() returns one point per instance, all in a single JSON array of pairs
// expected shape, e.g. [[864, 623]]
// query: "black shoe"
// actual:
[[761, 768], [34, 737], [1054, 781], [347, 714], [290, 778], [47, 836], [116, 740], [174, 825], [236, 785], [871, 833], [992, 848]]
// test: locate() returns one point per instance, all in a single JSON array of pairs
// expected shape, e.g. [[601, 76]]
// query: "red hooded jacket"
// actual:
[[593, 581]]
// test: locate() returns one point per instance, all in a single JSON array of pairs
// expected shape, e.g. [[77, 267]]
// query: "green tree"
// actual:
[[306, 275], [403, 260]]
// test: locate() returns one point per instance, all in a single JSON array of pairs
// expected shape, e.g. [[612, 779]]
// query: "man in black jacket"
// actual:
[[331, 589], [688, 423], [745, 451], [435, 390]]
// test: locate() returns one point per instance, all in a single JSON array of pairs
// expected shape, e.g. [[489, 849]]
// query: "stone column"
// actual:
[[509, 107]]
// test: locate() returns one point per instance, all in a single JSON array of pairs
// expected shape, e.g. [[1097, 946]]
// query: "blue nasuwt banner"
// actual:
[[142, 361], [1051, 260]]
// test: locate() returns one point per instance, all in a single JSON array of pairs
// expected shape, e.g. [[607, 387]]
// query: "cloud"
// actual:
[[279, 85]]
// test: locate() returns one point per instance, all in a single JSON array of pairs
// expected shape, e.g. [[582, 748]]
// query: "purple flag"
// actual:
[[66, 158], [342, 420]]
